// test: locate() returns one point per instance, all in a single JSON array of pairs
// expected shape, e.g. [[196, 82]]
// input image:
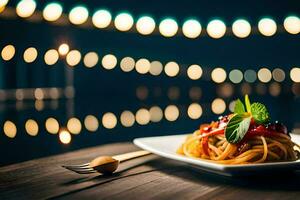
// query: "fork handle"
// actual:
[[131, 155]]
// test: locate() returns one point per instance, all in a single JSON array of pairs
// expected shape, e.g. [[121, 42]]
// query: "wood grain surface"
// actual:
[[148, 177]]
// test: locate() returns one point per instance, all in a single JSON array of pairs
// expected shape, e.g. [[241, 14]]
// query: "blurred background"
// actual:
[[76, 74]]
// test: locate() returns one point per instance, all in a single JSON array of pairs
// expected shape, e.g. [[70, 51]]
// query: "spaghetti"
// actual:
[[261, 143]]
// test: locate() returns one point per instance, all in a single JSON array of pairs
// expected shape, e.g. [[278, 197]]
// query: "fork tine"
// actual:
[[79, 168], [82, 165], [85, 171]]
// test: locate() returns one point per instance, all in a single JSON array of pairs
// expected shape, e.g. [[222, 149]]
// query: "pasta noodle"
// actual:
[[209, 143]]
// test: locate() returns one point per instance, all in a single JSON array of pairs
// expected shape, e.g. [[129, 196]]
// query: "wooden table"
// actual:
[[149, 177]]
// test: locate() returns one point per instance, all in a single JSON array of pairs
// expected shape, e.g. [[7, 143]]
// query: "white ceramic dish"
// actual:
[[166, 146]]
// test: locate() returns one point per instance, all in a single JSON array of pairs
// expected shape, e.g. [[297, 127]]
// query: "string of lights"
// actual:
[[146, 25], [145, 66]]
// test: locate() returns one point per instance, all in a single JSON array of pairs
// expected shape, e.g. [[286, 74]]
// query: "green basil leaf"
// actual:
[[260, 113], [247, 103], [239, 107], [237, 128]]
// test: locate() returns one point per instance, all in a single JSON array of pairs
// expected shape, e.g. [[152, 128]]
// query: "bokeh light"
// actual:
[[295, 74], [156, 68], [9, 129], [171, 69], [73, 58], [246, 89], [127, 118], [278, 75], [218, 106], [264, 75], [123, 21], [216, 29], [101, 18], [38, 94], [191, 28], [109, 61], [171, 113], [168, 27], [142, 116], [194, 111], [63, 49], [52, 125], [218, 75], [127, 64], [30, 54], [3, 3], [109, 120], [31, 127], [292, 24], [142, 92], [225, 90], [65, 137], [74, 125], [142, 66], [90, 59], [194, 72], [78, 15], [156, 114], [274, 89], [250, 76], [51, 57], [195, 93], [52, 11], [25, 8], [173, 93], [145, 25], [91, 123], [8, 52], [236, 76], [241, 28], [267, 26]]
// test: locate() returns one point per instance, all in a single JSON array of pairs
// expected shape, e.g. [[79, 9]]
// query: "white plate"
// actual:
[[166, 146]]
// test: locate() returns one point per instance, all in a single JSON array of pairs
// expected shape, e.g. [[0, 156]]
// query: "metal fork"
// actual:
[[105, 164]]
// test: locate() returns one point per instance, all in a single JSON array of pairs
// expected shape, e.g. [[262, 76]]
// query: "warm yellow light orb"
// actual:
[[216, 29], [123, 22], [156, 114], [65, 137], [194, 111], [109, 120], [142, 66], [142, 116], [78, 15], [30, 54], [218, 75], [91, 123], [295, 74], [267, 27], [171, 69], [25, 8], [127, 64], [90, 59], [51, 57], [101, 18], [52, 12], [218, 106], [264, 75], [168, 27], [73, 58], [145, 25], [127, 118], [171, 113], [63, 49], [10, 129], [155, 68], [8, 52], [241, 28], [31, 127], [74, 125], [292, 24], [109, 61], [191, 28], [52, 125], [194, 72]]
